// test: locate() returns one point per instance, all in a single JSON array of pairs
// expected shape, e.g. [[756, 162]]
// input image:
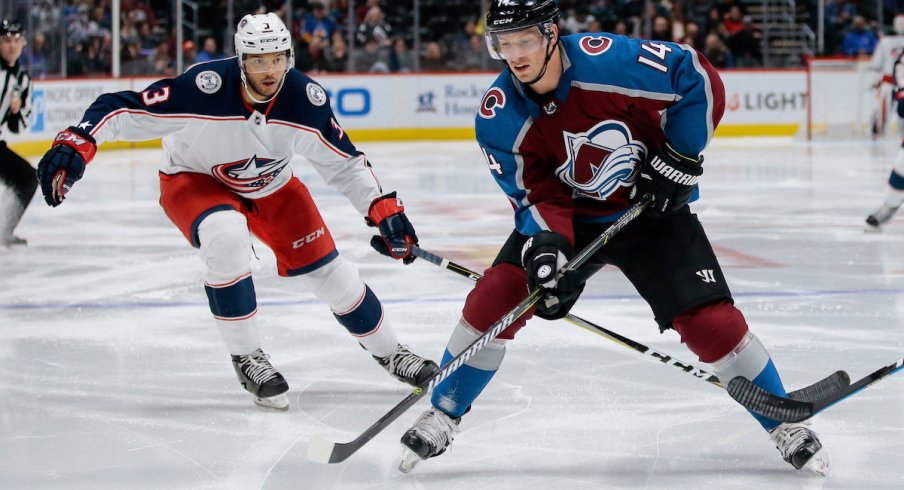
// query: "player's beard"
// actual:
[[260, 89]]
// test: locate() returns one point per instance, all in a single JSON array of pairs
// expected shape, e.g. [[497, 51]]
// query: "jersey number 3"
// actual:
[[654, 56], [151, 97]]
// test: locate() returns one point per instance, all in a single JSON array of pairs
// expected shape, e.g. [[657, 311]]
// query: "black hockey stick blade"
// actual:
[[798, 406], [775, 407]]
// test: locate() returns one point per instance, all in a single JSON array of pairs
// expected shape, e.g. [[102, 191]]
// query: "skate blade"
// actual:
[[278, 402], [819, 463], [409, 460]]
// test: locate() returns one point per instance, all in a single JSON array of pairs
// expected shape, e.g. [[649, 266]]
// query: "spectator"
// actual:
[[462, 39], [318, 23], [716, 51], [734, 20], [433, 59], [36, 56], [859, 41], [375, 27], [620, 28], [471, 58], [370, 58], [579, 20], [662, 31], [210, 51], [336, 57], [745, 46], [401, 59], [692, 35], [163, 63], [189, 54], [134, 63]]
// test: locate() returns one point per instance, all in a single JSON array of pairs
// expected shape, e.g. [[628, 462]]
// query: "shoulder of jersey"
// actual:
[[209, 77], [502, 109], [596, 51], [301, 98]]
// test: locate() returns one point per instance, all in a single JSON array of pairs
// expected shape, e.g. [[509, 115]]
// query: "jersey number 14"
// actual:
[[655, 56]]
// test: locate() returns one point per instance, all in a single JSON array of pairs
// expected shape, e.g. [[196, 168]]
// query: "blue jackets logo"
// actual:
[[249, 175], [602, 160]]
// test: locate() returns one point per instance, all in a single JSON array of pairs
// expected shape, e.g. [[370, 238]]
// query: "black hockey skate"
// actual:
[[427, 438], [12, 240], [262, 380], [407, 367], [801, 447], [879, 218]]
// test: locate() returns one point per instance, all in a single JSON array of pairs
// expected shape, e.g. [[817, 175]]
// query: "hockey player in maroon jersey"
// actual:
[[573, 130], [229, 129]]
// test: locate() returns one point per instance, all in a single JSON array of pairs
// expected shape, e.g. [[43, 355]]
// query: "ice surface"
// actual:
[[113, 375]]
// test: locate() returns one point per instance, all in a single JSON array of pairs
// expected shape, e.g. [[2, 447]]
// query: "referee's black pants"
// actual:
[[19, 176]]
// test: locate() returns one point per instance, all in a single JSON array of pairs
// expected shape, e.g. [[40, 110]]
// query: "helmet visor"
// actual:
[[265, 63], [514, 43]]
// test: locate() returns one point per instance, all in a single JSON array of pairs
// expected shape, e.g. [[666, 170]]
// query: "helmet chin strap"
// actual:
[[550, 49], [248, 92]]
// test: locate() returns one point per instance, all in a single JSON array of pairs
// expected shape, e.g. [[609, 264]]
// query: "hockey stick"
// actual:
[[833, 382], [775, 407], [648, 352], [323, 450]]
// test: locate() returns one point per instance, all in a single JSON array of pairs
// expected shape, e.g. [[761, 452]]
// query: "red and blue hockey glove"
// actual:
[[670, 178], [542, 256], [396, 233], [64, 163]]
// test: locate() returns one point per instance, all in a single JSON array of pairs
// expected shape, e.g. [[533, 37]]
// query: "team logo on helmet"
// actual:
[[253, 174], [316, 94], [595, 45], [602, 160], [494, 98], [208, 81]]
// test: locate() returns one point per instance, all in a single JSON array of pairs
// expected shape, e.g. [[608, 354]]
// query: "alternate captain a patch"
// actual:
[[602, 160], [494, 98], [249, 175]]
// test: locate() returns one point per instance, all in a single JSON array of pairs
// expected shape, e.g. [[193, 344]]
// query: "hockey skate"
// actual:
[[262, 380], [875, 221], [407, 367], [12, 240], [427, 438], [801, 447]]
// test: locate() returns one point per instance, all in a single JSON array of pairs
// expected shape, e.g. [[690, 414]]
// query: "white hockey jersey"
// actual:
[[885, 54], [208, 128]]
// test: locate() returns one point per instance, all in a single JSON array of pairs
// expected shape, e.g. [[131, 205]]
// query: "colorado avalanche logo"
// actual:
[[245, 176], [595, 45], [601, 160], [494, 98]]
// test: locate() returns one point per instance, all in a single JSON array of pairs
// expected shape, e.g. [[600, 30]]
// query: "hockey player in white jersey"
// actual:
[[883, 62], [230, 128], [894, 194]]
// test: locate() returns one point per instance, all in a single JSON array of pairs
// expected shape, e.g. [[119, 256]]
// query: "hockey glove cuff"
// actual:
[[397, 235], [64, 163], [670, 178]]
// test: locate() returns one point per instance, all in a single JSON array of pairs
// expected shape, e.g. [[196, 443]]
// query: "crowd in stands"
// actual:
[[380, 35]]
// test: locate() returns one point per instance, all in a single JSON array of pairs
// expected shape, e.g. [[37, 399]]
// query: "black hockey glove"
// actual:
[[396, 233], [543, 256], [899, 98], [64, 163], [670, 177]]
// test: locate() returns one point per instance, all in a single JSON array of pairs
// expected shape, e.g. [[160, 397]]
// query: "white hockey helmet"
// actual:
[[261, 34]]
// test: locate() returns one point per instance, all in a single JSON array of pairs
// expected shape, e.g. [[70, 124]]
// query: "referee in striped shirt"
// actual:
[[16, 174]]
